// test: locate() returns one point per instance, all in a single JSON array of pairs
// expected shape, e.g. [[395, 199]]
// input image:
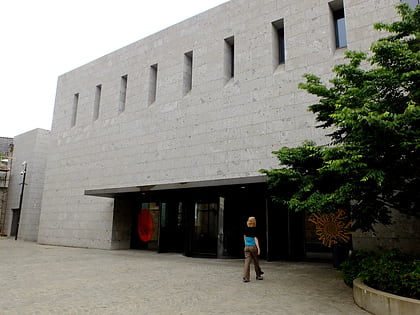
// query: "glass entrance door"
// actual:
[[145, 233], [204, 241], [171, 238]]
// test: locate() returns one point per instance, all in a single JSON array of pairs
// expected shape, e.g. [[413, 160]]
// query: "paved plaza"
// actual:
[[39, 279]]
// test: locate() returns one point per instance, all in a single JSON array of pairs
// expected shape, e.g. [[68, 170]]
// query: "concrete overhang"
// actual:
[[113, 192]]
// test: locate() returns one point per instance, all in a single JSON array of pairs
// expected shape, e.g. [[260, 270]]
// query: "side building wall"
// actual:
[[177, 107], [402, 234], [32, 147]]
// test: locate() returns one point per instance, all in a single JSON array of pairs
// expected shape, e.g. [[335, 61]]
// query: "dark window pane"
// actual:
[[280, 33]]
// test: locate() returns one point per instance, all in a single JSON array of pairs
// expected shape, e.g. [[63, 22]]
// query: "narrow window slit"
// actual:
[[188, 66], [279, 47], [153, 83], [74, 109], [97, 101], [123, 93], [229, 58]]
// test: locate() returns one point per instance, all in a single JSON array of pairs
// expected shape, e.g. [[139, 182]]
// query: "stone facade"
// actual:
[[166, 109], [403, 233], [32, 147]]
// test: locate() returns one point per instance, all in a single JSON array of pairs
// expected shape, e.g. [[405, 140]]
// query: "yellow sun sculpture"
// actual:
[[331, 227]]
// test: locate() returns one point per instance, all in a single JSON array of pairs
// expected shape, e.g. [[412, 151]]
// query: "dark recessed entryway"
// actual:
[[204, 219]]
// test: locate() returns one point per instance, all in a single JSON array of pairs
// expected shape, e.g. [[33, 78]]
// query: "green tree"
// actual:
[[372, 162]]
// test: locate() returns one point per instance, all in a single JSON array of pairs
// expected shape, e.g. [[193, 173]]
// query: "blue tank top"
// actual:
[[249, 241], [250, 234]]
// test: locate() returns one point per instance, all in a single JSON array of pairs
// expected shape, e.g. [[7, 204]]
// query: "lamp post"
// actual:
[[23, 173]]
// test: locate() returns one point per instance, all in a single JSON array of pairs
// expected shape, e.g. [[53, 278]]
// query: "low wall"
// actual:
[[382, 303]]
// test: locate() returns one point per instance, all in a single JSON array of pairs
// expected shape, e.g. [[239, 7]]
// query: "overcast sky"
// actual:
[[42, 39]]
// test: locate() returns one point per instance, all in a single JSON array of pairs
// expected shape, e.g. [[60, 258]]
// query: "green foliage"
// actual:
[[351, 268], [304, 178], [372, 161], [389, 271]]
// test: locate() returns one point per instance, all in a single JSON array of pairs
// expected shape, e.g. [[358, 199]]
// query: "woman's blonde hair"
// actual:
[[251, 222]]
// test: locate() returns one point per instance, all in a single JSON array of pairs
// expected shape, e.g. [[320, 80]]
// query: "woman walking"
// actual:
[[252, 250]]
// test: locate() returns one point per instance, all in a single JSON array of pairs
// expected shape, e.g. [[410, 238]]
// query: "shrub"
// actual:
[[350, 269], [389, 271]]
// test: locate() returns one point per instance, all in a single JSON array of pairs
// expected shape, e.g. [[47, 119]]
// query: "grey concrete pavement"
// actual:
[[39, 279]]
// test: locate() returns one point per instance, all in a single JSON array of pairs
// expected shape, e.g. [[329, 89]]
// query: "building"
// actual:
[[6, 152], [26, 184], [6, 146], [158, 145]]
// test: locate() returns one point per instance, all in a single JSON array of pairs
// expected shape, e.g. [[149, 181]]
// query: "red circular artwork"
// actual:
[[145, 225]]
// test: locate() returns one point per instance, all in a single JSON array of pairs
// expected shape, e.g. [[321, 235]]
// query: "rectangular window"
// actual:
[[153, 83], [229, 58], [123, 93], [97, 101], [74, 109], [340, 28], [412, 3], [339, 23], [188, 64], [279, 53]]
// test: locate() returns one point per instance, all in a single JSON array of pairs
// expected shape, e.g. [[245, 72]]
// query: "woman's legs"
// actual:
[[251, 254], [248, 258], [255, 258]]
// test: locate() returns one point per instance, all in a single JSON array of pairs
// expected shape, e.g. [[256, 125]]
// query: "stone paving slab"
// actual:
[[40, 279]]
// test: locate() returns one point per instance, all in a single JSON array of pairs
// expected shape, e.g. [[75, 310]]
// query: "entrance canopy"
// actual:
[[113, 192]]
